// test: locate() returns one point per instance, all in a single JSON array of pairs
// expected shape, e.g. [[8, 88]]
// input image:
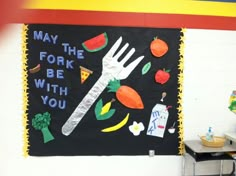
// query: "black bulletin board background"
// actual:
[[87, 138]]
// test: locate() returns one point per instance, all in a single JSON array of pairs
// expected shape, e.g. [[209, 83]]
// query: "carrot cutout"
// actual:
[[126, 95]]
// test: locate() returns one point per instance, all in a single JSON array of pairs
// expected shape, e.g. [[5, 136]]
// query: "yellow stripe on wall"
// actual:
[[142, 6]]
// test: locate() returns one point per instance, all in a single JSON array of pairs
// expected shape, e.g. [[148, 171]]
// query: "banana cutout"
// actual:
[[117, 126], [103, 112]]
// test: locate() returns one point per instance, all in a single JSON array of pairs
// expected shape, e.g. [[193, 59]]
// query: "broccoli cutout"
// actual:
[[41, 122]]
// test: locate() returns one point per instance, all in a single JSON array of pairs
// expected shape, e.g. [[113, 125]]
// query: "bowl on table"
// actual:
[[217, 141]]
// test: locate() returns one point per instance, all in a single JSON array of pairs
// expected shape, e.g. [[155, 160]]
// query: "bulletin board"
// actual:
[[134, 108]]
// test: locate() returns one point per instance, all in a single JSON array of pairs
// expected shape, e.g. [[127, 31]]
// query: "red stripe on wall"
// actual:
[[124, 19]]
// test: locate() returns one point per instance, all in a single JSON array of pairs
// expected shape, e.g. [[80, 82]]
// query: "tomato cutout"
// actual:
[[162, 76], [158, 47], [96, 43]]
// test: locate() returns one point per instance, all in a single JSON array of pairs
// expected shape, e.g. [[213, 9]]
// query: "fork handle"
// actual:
[[85, 104]]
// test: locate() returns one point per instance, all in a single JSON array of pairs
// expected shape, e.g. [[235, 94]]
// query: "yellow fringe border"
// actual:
[[25, 88], [180, 92]]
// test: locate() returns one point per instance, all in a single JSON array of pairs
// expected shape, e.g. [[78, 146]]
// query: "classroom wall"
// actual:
[[209, 78]]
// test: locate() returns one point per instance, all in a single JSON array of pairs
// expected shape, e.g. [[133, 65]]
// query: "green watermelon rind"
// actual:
[[99, 48]]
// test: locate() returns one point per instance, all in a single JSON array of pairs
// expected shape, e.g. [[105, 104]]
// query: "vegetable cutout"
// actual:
[[126, 95], [96, 43], [158, 47], [84, 74], [104, 112], [163, 95], [41, 122], [35, 69], [136, 128], [117, 126], [162, 76], [146, 68]]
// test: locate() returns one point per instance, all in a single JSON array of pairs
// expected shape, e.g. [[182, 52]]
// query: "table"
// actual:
[[201, 153], [231, 136]]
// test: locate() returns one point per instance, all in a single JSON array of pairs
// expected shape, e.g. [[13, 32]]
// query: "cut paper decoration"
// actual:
[[162, 76], [158, 120], [163, 95], [41, 122], [232, 102], [158, 47], [56, 89], [146, 68], [111, 69], [126, 95], [171, 130], [117, 126], [84, 74], [136, 128], [104, 112], [96, 43], [35, 69]]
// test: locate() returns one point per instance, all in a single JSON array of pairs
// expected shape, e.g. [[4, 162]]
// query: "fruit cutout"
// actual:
[[126, 95], [84, 74], [96, 43], [158, 47], [162, 76], [117, 126], [103, 112]]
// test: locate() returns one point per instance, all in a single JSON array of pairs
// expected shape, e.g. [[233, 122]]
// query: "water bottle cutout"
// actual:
[[209, 134]]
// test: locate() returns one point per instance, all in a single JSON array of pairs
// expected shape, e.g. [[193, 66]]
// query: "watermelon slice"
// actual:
[[96, 43]]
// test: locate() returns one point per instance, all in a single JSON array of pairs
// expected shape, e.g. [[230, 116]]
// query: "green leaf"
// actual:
[[146, 68], [113, 85], [98, 108], [106, 116], [167, 70]]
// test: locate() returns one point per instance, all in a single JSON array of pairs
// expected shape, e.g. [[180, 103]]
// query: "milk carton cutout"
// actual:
[[158, 120]]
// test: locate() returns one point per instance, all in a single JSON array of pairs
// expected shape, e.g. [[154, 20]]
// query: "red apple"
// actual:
[[162, 76]]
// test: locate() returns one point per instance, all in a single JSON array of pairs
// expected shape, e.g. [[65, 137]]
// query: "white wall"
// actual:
[[209, 78]]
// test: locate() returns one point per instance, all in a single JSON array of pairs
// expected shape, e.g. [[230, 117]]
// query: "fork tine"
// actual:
[[113, 49], [130, 53], [122, 50], [127, 70]]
